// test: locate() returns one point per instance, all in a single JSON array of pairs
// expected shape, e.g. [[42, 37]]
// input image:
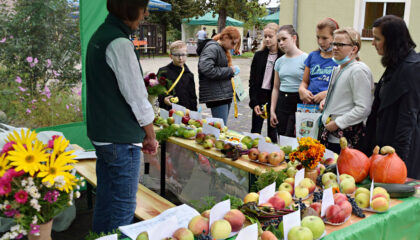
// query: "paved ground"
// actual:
[[243, 122]]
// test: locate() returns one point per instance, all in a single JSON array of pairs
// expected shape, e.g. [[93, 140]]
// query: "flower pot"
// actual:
[[311, 174], [44, 232]]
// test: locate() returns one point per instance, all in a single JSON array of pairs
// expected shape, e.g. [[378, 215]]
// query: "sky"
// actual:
[[273, 3]]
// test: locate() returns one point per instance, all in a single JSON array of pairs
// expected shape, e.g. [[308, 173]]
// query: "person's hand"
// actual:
[[236, 70], [306, 96], [331, 126], [167, 100], [150, 145], [273, 120], [320, 96], [257, 110], [321, 104]]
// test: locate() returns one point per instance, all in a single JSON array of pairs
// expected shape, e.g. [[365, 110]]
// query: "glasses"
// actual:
[[180, 55], [340, 45]]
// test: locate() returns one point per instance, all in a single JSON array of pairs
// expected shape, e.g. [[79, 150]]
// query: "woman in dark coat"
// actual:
[[395, 116]]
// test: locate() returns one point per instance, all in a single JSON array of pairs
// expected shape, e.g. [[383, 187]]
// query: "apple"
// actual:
[[346, 176], [335, 214], [275, 158], [286, 196], [384, 195], [235, 218], [183, 234], [291, 172], [253, 154], [171, 112], [224, 129], [171, 120], [218, 125], [251, 197], [300, 233], [143, 236], [267, 204], [199, 137], [267, 235], [362, 190], [315, 224], [380, 204], [362, 200], [206, 214], [220, 229], [320, 169], [330, 161], [346, 207], [255, 142], [180, 113], [378, 190], [317, 207], [247, 140], [263, 157], [227, 146], [290, 180], [189, 133], [268, 140], [301, 192], [308, 183], [293, 163], [286, 187], [277, 202], [328, 176], [339, 197], [347, 186], [207, 144], [220, 144]]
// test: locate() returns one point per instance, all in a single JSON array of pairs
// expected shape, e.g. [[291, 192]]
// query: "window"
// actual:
[[369, 10]]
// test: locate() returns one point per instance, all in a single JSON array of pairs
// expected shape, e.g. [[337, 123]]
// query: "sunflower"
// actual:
[[24, 138], [59, 166], [28, 159], [60, 145], [4, 164]]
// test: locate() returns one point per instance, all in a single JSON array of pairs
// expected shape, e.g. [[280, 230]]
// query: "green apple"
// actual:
[[224, 129], [347, 186], [220, 144], [308, 183], [247, 140], [301, 192], [291, 172], [179, 113], [362, 190], [315, 224], [143, 236], [292, 163], [300, 233], [267, 139], [346, 176], [189, 133], [328, 176], [255, 142], [290, 180], [378, 190], [286, 187], [362, 200]]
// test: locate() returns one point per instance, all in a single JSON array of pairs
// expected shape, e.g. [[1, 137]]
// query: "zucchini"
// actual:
[[395, 190]]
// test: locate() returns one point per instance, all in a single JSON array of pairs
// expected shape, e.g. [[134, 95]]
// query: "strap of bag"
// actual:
[[234, 98], [176, 81]]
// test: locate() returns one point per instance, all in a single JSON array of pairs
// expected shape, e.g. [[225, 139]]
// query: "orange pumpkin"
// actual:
[[352, 162], [389, 168], [374, 157]]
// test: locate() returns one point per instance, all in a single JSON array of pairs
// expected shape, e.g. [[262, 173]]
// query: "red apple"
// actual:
[[317, 207], [253, 154], [275, 158], [339, 197], [346, 207], [335, 214], [185, 119], [263, 157], [277, 202], [171, 112]]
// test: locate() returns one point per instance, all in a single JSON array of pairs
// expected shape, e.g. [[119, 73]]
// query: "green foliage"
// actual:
[[94, 236], [267, 178], [165, 133], [204, 204], [235, 202]]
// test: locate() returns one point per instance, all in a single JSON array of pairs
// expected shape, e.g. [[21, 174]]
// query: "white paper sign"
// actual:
[[218, 211], [80, 154], [109, 237], [327, 200], [163, 113], [300, 175], [207, 129], [372, 186], [266, 193], [195, 115], [289, 221], [268, 147], [288, 141], [210, 120], [328, 154], [177, 107], [177, 119], [254, 136], [338, 174], [164, 229], [248, 233]]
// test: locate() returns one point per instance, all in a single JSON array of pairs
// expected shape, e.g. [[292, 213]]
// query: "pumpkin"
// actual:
[[352, 162], [374, 157], [389, 168]]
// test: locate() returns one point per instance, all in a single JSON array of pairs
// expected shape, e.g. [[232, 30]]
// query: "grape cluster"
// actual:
[[272, 222], [301, 204], [317, 196], [319, 180], [204, 237], [356, 209]]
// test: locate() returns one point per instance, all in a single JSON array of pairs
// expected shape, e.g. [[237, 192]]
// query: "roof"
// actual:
[[209, 20], [271, 18]]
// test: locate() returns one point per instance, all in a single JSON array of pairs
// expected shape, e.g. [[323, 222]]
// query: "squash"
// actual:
[[389, 168], [395, 190], [374, 157], [352, 162]]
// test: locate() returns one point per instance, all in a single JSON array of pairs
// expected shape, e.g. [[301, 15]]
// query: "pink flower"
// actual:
[[55, 73], [67, 107], [7, 147], [29, 59], [79, 92], [51, 141], [51, 196], [5, 188], [36, 60], [18, 79], [20, 236], [34, 229], [11, 213], [33, 101], [49, 63], [11, 36], [153, 82], [44, 100], [3, 40], [32, 65], [21, 196], [47, 92], [22, 89], [28, 111], [152, 76]]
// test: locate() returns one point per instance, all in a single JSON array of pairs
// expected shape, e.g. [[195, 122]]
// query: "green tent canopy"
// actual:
[[275, 17], [209, 20]]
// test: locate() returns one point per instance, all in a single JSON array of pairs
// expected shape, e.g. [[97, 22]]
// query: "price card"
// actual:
[[288, 141], [195, 115], [177, 119], [300, 175], [289, 221], [372, 186], [268, 147], [218, 211], [248, 233], [177, 107], [338, 174], [210, 120], [327, 200], [207, 129], [328, 154], [109, 237], [266, 193], [164, 114], [164, 229]]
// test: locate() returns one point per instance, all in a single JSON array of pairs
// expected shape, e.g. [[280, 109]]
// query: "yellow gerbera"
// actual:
[[28, 159], [4, 164], [22, 138], [59, 166]]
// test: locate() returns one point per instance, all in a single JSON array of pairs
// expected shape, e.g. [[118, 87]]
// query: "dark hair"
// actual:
[[291, 30], [398, 42], [126, 9]]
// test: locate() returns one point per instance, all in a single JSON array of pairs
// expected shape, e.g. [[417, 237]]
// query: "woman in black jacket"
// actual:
[[215, 71], [395, 116], [261, 80]]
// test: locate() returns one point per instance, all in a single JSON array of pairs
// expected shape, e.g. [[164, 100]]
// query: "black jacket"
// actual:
[[214, 73], [395, 116], [184, 90], [258, 65]]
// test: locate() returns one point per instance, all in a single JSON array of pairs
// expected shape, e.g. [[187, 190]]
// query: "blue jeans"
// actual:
[[221, 111], [118, 172]]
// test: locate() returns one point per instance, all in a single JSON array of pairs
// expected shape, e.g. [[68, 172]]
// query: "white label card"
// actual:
[[177, 119], [338, 174], [372, 186], [195, 115], [164, 229], [207, 129], [164, 114], [267, 147], [177, 107], [218, 211], [328, 154], [248, 233], [109, 237], [210, 120], [288, 141], [266, 193], [300, 175], [289, 221], [327, 200]]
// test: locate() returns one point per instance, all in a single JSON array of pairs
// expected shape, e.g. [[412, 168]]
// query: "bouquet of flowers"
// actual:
[[156, 85], [309, 152], [35, 181]]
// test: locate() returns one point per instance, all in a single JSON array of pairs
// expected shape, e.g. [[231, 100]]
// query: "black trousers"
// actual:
[[286, 113], [257, 121]]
